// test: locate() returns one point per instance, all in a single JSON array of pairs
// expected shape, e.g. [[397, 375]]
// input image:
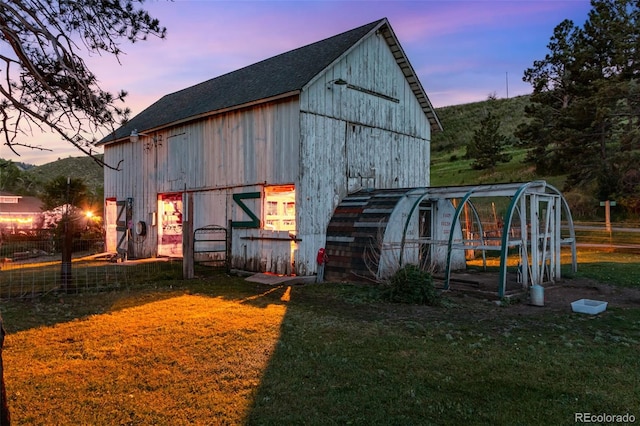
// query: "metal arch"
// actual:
[[421, 198], [484, 254], [572, 232], [406, 224], [505, 234], [455, 219]]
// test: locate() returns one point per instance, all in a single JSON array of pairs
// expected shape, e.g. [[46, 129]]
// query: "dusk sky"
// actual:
[[462, 51]]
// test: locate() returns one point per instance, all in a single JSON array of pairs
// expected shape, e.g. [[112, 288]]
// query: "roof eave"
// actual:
[[200, 116], [412, 77]]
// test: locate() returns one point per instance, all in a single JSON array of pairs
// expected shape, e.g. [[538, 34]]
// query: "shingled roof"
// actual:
[[21, 204], [283, 74]]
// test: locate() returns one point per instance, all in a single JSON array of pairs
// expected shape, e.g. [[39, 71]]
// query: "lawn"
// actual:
[[220, 350]]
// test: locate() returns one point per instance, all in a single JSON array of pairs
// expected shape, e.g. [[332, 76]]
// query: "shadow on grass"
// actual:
[[344, 359], [51, 309], [338, 355]]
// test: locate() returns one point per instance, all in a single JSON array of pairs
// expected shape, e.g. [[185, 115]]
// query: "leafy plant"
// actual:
[[411, 285]]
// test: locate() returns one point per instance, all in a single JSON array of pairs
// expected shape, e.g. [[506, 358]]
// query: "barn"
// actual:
[[266, 153]]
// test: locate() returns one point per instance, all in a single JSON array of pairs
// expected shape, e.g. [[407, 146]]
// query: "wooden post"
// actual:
[[229, 246], [4, 409], [187, 237], [67, 245]]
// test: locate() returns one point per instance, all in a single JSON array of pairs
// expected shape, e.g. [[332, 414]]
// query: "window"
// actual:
[[272, 208], [280, 208]]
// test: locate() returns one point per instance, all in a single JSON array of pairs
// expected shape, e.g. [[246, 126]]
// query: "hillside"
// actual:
[[460, 121], [448, 148], [84, 168]]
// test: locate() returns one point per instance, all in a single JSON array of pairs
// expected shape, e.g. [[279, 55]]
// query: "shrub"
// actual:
[[411, 285]]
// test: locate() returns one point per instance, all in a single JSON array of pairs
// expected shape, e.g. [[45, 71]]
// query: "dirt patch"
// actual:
[[560, 296], [463, 307], [557, 299]]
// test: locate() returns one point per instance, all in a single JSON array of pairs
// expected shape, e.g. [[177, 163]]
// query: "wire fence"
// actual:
[[31, 267], [30, 280]]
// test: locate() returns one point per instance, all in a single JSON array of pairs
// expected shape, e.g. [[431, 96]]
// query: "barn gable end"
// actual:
[[271, 149]]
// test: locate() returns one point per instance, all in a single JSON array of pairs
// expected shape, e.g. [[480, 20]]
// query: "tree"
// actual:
[[14, 180], [62, 191], [46, 84], [585, 107], [488, 144], [553, 93], [9, 175]]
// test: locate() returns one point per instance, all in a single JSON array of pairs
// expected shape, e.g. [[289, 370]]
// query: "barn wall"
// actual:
[[332, 140], [134, 178], [236, 152], [371, 66], [351, 139], [240, 147]]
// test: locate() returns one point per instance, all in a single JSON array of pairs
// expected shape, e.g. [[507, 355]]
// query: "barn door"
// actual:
[[361, 151], [123, 227], [170, 225], [110, 215]]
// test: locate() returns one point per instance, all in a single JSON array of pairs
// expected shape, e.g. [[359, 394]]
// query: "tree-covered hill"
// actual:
[[460, 121], [84, 168]]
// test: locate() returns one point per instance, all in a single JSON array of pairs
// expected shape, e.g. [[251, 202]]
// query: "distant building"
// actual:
[[19, 213]]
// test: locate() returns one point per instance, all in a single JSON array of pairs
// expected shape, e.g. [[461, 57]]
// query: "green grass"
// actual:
[[621, 269], [455, 369], [450, 168], [221, 350]]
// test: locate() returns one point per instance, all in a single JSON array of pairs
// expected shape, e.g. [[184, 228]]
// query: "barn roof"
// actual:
[[281, 75]]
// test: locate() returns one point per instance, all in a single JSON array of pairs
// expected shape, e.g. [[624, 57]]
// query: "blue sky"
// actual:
[[462, 51]]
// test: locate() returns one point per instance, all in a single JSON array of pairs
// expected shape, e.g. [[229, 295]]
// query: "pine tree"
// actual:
[[585, 107], [488, 144]]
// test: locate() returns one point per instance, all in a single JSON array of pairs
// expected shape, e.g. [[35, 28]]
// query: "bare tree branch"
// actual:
[[46, 84]]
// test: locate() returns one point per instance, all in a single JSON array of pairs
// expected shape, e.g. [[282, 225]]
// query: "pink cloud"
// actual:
[[459, 49]]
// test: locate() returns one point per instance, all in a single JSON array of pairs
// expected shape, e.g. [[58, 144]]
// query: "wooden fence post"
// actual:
[[187, 237]]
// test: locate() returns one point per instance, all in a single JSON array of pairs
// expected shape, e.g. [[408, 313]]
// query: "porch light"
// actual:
[[337, 82], [135, 137]]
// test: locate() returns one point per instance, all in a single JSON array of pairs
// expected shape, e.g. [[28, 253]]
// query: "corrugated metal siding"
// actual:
[[355, 232]]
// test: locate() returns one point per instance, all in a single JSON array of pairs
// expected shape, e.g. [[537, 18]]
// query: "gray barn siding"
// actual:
[[344, 129], [369, 65], [311, 141], [322, 185], [238, 151], [241, 147]]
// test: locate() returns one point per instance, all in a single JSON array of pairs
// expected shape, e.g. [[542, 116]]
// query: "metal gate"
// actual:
[[210, 246], [124, 247]]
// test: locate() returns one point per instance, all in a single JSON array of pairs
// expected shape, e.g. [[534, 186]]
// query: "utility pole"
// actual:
[[607, 204], [507, 82]]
